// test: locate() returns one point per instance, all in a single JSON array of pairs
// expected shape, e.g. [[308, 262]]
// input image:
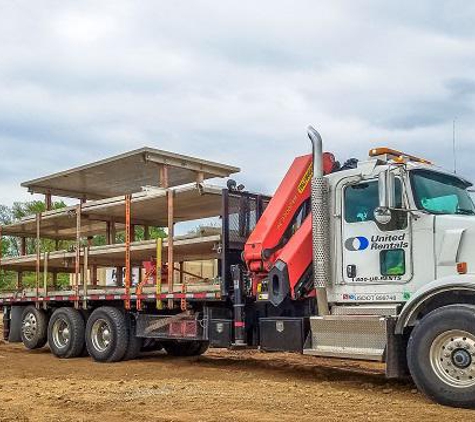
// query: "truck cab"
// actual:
[[390, 247]]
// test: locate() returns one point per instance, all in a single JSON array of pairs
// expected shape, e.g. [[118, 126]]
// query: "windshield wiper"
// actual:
[[465, 212]]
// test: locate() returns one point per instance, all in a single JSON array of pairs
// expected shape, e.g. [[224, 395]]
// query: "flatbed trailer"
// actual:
[[369, 260]]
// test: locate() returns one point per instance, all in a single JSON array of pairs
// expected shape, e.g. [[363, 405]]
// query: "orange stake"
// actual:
[[128, 234]]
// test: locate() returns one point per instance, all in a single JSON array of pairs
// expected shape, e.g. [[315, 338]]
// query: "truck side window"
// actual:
[[363, 198], [393, 262], [360, 202]]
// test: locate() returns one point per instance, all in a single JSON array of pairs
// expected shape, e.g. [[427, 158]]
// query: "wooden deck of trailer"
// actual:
[[146, 188]]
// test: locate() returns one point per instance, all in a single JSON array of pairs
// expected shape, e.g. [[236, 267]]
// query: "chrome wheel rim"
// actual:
[[30, 326], [61, 334], [452, 357], [101, 335]]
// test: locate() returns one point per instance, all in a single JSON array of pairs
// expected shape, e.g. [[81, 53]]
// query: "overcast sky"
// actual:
[[232, 81]]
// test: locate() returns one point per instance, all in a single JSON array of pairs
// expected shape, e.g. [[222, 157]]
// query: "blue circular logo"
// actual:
[[355, 244]]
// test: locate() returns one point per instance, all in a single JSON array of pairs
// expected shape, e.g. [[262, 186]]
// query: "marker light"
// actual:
[[397, 156], [462, 268]]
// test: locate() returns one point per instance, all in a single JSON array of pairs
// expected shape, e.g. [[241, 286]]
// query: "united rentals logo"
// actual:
[[377, 242], [355, 244]]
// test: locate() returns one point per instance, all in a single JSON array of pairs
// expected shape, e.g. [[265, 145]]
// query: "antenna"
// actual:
[[454, 144]]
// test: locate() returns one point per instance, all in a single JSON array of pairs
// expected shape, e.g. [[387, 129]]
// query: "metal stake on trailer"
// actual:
[[86, 276], [158, 273], [128, 233], [45, 277], [38, 257], [77, 268], [171, 263]]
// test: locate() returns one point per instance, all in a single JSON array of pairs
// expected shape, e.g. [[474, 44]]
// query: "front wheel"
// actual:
[[441, 355]]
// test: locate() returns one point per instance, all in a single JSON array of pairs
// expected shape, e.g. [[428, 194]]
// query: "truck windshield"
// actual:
[[440, 193]]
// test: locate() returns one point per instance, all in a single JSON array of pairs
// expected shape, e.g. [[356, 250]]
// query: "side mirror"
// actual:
[[387, 197], [387, 189], [383, 216]]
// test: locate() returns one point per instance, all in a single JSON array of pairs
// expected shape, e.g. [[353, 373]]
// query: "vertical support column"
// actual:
[[1, 247], [48, 202], [158, 273], [94, 275], [225, 287], [239, 307], [110, 233], [38, 256], [77, 268], [86, 275], [183, 303], [19, 281], [171, 230], [146, 232], [128, 234], [200, 177], [163, 176], [45, 277]]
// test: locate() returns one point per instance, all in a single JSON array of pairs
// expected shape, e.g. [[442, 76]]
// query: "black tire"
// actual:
[[34, 328], [440, 358], [66, 333], [134, 344], [186, 348], [107, 335], [16, 319]]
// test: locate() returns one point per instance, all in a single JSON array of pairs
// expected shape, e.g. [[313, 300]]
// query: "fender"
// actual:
[[407, 317]]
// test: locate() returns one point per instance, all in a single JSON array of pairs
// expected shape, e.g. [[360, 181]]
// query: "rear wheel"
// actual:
[[66, 331], [441, 355], [107, 335], [34, 328], [186, 348]]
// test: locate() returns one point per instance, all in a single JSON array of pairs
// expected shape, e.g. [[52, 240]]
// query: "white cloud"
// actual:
[[231, 81]]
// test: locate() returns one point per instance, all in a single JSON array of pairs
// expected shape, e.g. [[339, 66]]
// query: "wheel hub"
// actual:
[[452, 357], [101, 335], [29, 327], [461, 358], [61, 334]]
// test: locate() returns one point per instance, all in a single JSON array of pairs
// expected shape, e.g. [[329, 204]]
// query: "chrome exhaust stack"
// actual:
[[320, 224]]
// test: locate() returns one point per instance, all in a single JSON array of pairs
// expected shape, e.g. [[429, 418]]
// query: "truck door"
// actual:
[[374, 254]]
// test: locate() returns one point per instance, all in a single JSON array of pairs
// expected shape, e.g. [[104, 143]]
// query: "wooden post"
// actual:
[[171, 230], [113, 233], [158, 273], [38, 256], [200, 177], [163, 176], [77, 269], [86, 276], [45, 277], [94, 275], [23, 246], [146, 232], [183, 303], [48, 202], [128, 239]]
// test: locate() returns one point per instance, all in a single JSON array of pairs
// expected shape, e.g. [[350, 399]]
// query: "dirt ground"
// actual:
[[219, 386]]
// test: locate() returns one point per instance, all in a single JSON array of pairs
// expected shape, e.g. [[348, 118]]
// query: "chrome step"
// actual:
[[351, 337], [376, 310]]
